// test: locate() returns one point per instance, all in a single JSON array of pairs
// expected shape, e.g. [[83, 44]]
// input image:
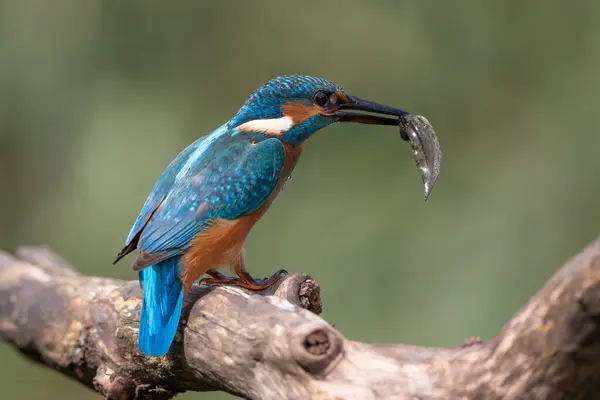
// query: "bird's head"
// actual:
[[295, 107]]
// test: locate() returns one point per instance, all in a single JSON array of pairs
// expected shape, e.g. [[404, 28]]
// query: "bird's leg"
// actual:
[[216, 274], [244, 279]]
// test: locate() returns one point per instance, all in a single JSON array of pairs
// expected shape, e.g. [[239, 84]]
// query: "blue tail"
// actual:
[[161, 309]]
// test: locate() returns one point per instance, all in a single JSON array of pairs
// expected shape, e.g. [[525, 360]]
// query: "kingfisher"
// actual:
[[207, 200]]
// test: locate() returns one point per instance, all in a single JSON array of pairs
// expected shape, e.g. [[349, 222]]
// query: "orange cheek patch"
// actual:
[[299, 111]]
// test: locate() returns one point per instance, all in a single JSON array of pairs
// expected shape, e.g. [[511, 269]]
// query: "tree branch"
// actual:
[[273, 345]]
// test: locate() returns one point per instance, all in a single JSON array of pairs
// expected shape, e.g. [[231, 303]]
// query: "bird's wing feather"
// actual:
[[178, 167], [231, 178], [166, 182]]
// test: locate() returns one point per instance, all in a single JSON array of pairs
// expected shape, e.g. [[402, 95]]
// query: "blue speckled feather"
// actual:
[[224, 175], [165, 183]]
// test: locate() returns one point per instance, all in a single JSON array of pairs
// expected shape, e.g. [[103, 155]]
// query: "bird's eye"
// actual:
[[321, 98]]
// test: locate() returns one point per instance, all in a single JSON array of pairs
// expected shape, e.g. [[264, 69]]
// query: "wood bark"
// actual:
[[273, 344]]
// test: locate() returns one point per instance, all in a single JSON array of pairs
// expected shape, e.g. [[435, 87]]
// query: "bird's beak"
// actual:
[[356, 104]]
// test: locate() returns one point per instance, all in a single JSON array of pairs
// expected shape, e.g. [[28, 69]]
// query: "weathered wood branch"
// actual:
[[274, 345]]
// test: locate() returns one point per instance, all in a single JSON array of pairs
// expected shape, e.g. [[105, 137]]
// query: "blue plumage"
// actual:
[[228, 178], [161, 307], [179, 167], [223, 175]]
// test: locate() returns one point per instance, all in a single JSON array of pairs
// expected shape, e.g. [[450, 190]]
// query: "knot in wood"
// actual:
[[316, 347], [317, 343]]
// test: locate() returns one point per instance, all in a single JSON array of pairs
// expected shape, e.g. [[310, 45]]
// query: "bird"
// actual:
[[201, 209]]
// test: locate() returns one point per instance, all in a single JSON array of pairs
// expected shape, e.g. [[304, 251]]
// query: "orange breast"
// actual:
[[223, 242]]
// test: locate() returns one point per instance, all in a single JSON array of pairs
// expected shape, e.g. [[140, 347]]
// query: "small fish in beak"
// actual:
[[413, 128], [426, 148]]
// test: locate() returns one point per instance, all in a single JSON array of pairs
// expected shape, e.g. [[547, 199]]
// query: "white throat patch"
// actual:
[[274, 126]]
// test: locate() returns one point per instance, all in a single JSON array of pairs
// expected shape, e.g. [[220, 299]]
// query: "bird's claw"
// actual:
[[245, 281]]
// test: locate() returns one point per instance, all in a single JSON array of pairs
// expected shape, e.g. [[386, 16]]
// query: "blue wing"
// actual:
[[223, 175]]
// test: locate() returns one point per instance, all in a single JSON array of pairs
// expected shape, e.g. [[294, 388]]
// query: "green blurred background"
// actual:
[[96, 97]]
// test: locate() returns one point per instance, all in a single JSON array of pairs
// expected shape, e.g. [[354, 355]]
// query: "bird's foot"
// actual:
[[245, 280]]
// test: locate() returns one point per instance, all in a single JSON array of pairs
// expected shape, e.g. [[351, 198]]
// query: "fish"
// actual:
[[425, 146]]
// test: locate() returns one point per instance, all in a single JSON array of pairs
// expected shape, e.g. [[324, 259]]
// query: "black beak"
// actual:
[[368, 106]]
